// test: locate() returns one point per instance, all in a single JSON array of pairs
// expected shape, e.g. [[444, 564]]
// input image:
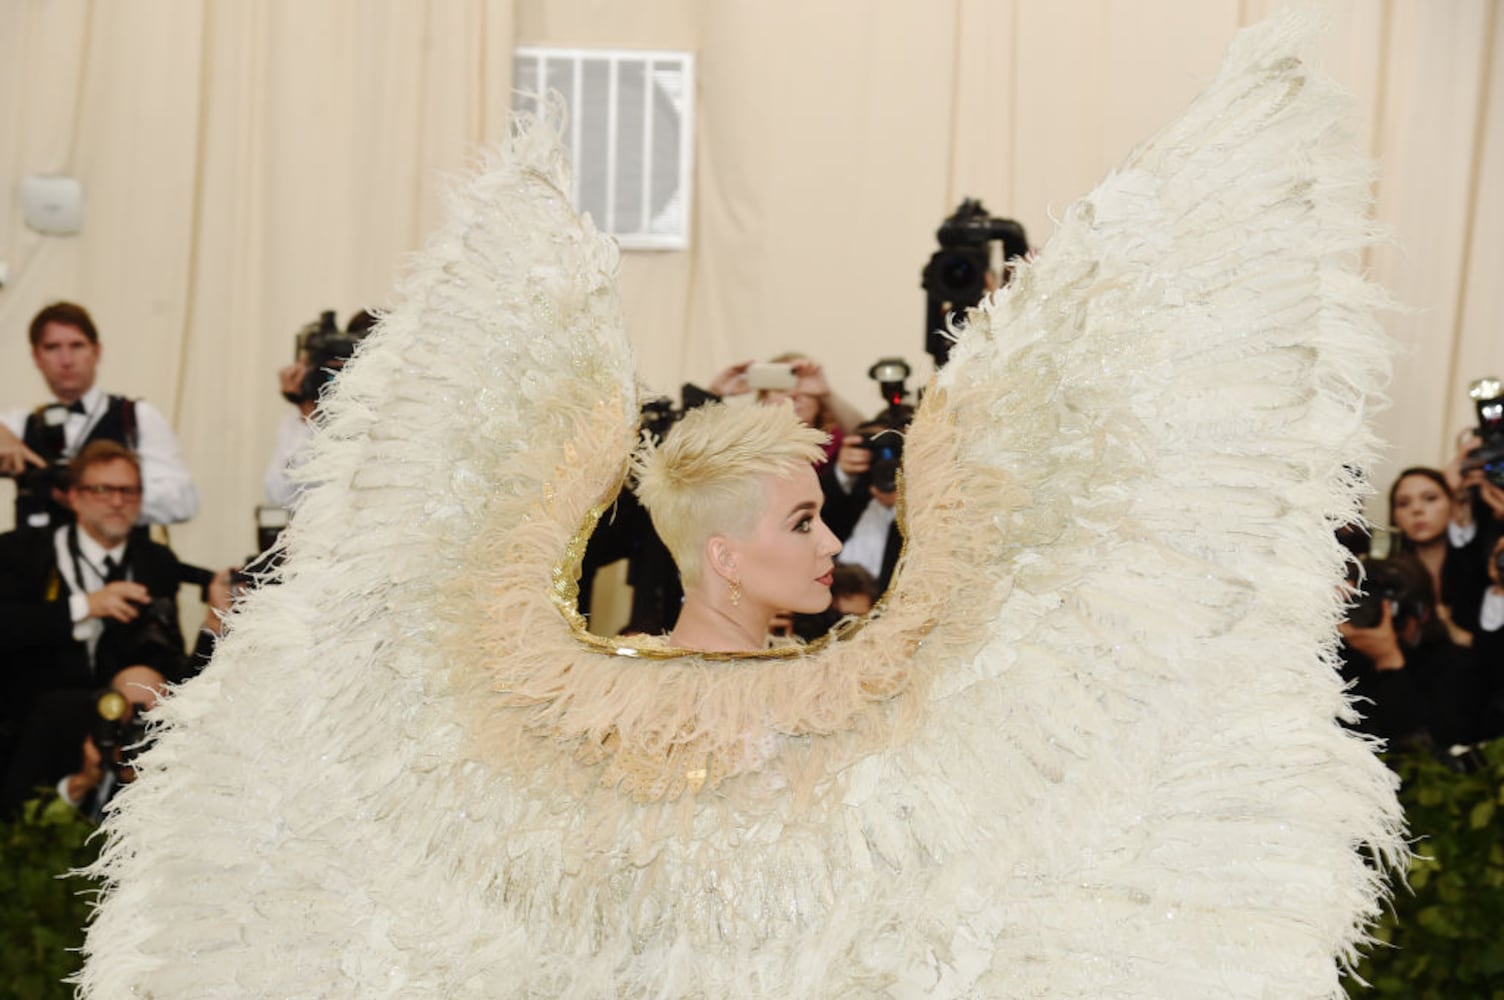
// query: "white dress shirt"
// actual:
[[168, 494], [1461, 535], [1491, 614], [83, 577], [293, 435], [869, 539]]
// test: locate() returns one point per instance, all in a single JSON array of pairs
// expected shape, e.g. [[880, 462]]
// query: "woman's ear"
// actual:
[[720, 556]]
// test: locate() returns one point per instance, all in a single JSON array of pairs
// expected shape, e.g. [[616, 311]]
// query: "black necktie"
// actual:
[[112, 570], [77, 406]]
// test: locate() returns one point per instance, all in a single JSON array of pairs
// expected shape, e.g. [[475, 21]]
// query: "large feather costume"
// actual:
[[1087, 747]]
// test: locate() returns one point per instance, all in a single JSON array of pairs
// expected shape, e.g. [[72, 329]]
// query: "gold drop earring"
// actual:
[[736, 593]]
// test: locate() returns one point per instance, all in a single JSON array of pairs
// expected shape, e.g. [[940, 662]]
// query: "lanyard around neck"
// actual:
[[80, 560]]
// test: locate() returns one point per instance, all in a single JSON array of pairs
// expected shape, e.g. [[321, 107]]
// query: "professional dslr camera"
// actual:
[[35, 486], [883, 436], [955, 279], [326, 348], [117, 727], [155, 630], [1487, 395], [658, 414], [1386, 583]]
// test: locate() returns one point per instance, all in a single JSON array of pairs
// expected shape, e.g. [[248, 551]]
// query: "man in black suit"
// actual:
[[82, 602], [860, 505]]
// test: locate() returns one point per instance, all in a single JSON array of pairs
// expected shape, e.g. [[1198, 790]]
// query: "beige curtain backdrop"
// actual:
[[250, 163]]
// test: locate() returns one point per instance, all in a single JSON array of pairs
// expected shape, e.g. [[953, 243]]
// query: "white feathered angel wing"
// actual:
[[317, 761], [1087, 750], [1178, 389]]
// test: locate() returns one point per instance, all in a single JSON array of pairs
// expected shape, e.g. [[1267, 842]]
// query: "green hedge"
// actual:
[[42, 908], [1444, 937]]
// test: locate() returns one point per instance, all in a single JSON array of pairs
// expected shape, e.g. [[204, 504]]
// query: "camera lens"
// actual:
[[959, 274]]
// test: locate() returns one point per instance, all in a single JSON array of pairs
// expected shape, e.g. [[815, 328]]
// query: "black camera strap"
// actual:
[[108, 573], [91, 421]]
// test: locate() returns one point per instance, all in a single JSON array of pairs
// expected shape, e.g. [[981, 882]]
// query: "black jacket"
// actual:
[[37, 648]]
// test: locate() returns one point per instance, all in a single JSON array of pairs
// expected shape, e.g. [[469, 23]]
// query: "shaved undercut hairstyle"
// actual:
[[707, 477]]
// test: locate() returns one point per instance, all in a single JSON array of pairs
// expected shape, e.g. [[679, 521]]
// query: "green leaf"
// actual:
[[1444, 928], [42, 914]]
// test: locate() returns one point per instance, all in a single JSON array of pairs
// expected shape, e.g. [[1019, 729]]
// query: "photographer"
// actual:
[[322, 350], [960, 273], [861, 498], [115, 736], [83, 742], [861, 486], [36, 446], [1474, 479], [1414, 685], [82, 602], [1488, 647]]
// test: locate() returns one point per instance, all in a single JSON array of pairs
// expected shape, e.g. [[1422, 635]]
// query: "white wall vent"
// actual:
[[630, 135]]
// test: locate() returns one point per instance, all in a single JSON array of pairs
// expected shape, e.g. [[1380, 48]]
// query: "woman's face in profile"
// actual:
[[1421, 509], [785, 563]]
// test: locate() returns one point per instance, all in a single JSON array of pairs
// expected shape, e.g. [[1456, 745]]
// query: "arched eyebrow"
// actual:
[[806, 507]]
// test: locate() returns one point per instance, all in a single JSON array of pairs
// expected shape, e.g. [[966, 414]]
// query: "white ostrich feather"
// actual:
[[1088, 748]]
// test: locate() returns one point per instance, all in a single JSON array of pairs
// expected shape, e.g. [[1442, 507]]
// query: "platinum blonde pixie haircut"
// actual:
[[706, 477]]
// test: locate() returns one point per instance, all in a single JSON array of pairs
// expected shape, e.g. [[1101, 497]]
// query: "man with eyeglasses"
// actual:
[[36, 445], [83, 601]]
